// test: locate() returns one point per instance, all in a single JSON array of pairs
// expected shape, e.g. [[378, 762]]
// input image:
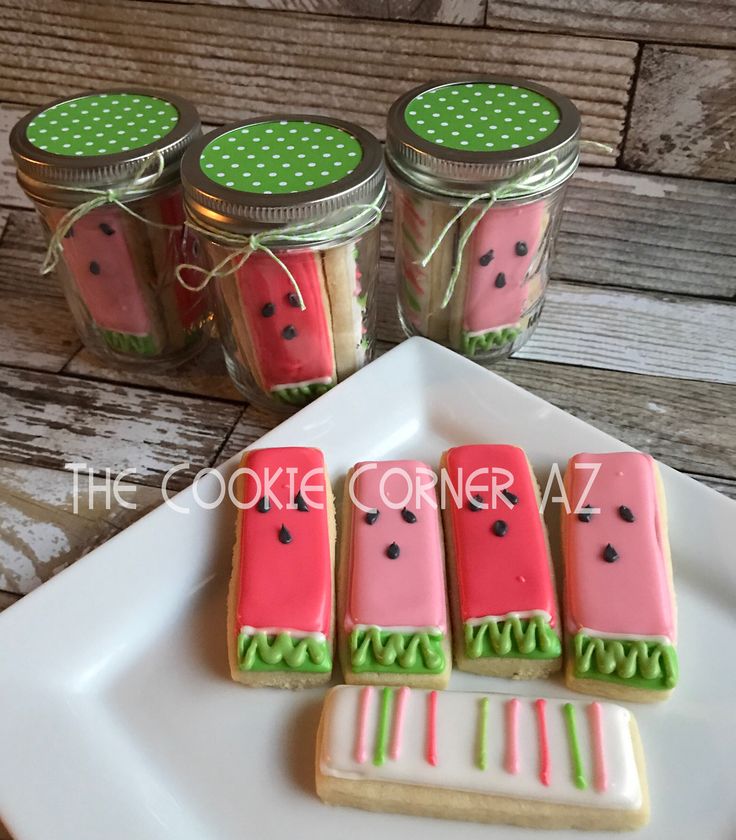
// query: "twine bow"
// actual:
[[525, 184], [359, 217]]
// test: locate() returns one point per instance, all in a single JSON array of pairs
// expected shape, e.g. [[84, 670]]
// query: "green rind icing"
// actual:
[[133, 345], [262, 652], [386, 651], [513, 637], [632, 662], [302, 394], [473, 344]]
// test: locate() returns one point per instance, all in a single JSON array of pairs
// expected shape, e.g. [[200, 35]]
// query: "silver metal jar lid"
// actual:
[[281, 170], [102, 140], [475, 134]]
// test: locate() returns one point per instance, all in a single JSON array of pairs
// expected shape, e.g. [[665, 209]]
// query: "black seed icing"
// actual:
[[264, 505], [289, 332], [610, 555], [284, 535], [408, 516], [371, 517], [476, 502], [106, 229], [512, 497], [500, 528], [500, 280], [626, 513], [94, 267], [300, 503], [586, 513], [521, 249], [268, 310], [393, 551], [292, 299], [486, 258]]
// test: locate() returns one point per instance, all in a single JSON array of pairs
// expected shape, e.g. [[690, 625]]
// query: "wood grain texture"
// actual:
[[48, 421], [36, 329], [6, 600], [341, 66], [638, 332], [40, 533], [709, 22], [11, 195], [683, 118], [459, 12]]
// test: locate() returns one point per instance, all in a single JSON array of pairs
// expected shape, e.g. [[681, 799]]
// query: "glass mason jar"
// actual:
[[103, 172], [479, 167], [287, 211]]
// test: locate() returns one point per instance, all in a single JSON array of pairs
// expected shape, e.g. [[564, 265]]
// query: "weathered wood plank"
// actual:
[[673, 21], [349, 70], [204, 376], [11, 195], [40, 533], [36, 329], [49, 420], [639, 231], [6, 600], [460, 12], [638, 332], [683, 120], [688, 425]]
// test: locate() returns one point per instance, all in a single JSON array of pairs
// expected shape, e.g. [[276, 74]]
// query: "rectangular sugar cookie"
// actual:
[[393, 599], [280, 608], [483, 757], [620, 609], [503, 601]]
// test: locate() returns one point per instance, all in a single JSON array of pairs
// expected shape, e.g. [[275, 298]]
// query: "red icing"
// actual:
[[285, 586], [308, 357], [113, 296], [498, 575]]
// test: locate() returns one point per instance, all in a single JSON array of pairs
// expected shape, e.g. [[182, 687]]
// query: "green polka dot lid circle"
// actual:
[[286, 209], [103, 170], [480, 166]]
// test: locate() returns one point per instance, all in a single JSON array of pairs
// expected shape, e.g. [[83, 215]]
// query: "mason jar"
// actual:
[[479, 168], [103, 172], [286, 209]]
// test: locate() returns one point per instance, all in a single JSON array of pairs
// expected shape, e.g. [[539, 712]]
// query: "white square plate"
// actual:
[[118, 720]]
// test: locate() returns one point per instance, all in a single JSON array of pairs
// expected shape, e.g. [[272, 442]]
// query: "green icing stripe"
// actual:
[[133, 345], [483, 734], [472, 344], [643, 664], [261, 652], [531, 638], [572, 734], [385, 651], [302, 394], [379, 756]]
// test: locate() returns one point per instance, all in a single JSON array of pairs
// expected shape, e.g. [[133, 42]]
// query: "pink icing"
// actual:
[[113, 296], [544, 768], [285, 585], [631, 596], [398, 730], [512, 736], [498, 575], [432, 757], [599, 754], [486, 306], [361, 744], [410, 590]]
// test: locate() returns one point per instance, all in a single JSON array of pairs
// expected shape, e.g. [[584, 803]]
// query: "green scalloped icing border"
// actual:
[[470, 345], [302, 394], [391, 652], [631, 662], [133, 345], [282, 652], [513, 637]]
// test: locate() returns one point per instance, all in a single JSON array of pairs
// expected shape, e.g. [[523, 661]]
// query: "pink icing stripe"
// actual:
[[544, 769], [361, 741], [398, 730], [595, 713], [512, 736], [432, 728]]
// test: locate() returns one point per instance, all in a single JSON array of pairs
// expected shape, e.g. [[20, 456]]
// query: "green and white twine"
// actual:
[[358, 218], [115, 195]]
